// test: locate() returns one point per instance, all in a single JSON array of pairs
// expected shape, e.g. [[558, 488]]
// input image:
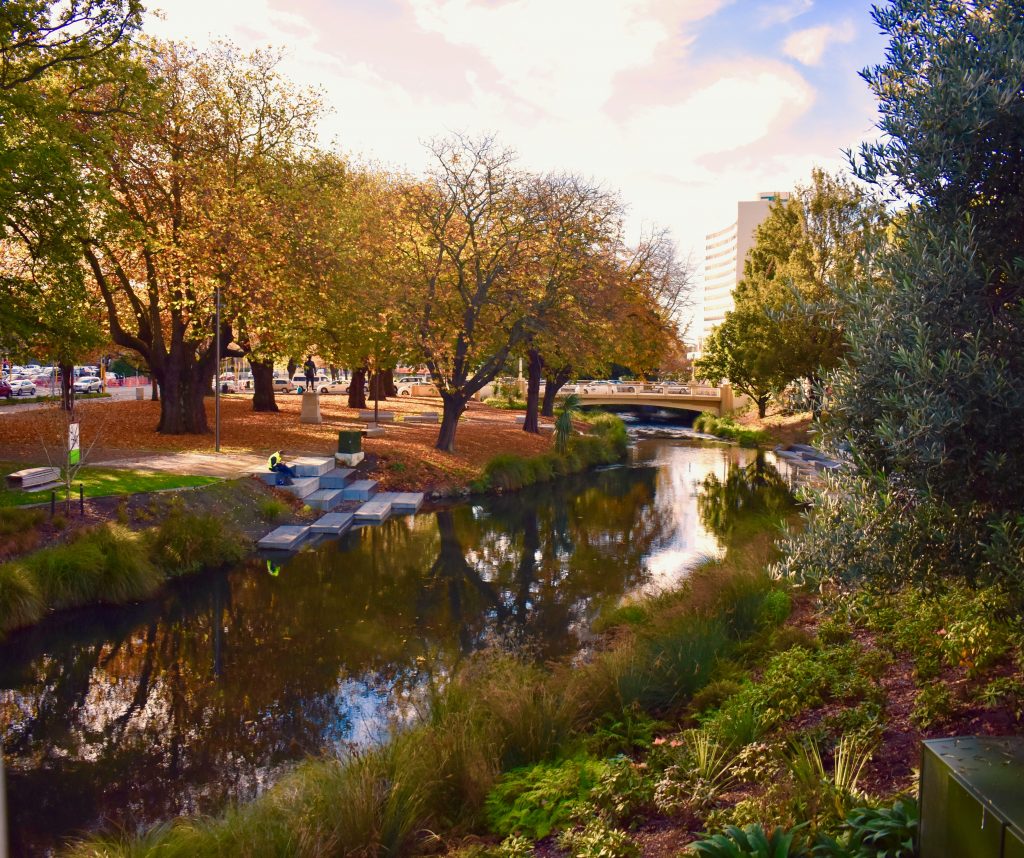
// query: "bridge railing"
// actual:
[[685, 391]]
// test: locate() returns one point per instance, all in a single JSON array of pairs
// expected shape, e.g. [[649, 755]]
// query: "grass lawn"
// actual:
[[102, 482]]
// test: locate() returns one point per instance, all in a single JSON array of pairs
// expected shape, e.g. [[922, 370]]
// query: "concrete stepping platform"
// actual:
[[401, 501], [373, 511], [425, 417], [334, 523], [312, 466], [361, 490], [303, 487], [382, 416], [285, 538], [336, 478], [324, 498]]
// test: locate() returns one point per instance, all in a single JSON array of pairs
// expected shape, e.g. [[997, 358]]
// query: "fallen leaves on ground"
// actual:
[[407, 458]]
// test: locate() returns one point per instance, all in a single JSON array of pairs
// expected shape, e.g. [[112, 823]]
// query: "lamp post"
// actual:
[[216, 376]]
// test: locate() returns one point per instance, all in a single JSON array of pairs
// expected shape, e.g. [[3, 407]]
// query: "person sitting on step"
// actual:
[[285, 474]]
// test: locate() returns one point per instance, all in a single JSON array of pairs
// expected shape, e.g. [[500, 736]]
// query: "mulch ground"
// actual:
[[406, 455]]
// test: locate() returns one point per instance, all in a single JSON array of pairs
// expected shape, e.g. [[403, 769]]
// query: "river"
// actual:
[[119, 717]]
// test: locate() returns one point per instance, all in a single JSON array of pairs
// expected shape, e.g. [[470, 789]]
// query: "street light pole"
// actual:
[[216, 379]]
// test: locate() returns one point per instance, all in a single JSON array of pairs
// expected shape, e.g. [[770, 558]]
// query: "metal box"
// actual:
[[350, 442], [972, 797]]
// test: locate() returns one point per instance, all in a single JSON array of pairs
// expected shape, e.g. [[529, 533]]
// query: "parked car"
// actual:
[[284, 385], [627, 386], [323, 384], [5, 390], [413, 379], [88, 384], [23, 387]]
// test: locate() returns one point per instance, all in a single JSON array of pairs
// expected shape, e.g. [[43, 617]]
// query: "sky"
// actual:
[[683, 106]]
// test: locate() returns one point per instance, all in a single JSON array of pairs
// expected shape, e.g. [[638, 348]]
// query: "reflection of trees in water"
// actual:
[[135, 714], [747, 490]]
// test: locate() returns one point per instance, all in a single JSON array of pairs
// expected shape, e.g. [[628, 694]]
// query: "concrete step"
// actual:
[[324, 498], [303, 487], [361, 490], [382, 416], [373, 511], [334, 523], [284, 538], [312, 466], [337, 478], [401, 501]]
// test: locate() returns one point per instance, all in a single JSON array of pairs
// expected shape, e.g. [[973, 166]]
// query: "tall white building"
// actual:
[[725, 252]]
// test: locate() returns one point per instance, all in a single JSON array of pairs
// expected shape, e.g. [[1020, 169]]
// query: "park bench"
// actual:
[[34, 477]]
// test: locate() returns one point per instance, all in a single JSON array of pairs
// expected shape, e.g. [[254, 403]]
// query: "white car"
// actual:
[[88, 384], [23, 387], [323, 384], [283, 385]]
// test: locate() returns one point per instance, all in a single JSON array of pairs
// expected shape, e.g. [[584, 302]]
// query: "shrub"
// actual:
[[750, 841], [875, 832], [775, 609], [127, 573], [272, 509], [539, 799], [713, 695], [508, 472], [597, 839], [14, 519], [20, 602], [186, 542]]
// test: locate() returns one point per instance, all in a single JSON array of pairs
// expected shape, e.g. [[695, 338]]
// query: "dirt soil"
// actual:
[[406, 457], [784, 429]]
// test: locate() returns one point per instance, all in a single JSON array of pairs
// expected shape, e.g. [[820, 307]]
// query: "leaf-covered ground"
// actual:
[[406, 458]]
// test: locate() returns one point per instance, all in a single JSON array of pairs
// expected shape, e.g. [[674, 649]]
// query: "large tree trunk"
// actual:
[[454, 405], [293, 365], [263, 385], [552, 384], [67, 387], [762, 406], [184, 382], [154, 388], [388, 382], [378, 388], [357, 388], [536, 366]]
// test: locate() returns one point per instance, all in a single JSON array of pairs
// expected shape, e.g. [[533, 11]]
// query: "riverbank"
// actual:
[[732, 699], [405, 455]]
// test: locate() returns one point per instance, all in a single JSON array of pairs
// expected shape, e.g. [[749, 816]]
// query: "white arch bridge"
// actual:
[[719, 400]]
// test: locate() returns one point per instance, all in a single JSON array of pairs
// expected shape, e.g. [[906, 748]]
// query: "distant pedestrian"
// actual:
[[310, 369]]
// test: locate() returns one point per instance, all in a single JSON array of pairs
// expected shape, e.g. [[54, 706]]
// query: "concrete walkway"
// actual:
[[227, 465]]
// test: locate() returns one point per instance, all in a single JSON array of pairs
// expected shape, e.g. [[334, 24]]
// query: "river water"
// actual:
[[120, 717]]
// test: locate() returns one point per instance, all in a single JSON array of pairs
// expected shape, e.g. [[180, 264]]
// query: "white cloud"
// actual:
[[808, 46], [780, 13]]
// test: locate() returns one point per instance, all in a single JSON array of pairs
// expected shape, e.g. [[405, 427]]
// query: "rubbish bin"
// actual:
[[350, 442], [140, 394]]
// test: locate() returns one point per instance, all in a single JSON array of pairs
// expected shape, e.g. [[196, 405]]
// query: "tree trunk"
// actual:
[[154, 390], [536, 366], [67, 388], [553, 384], [292, 366], [182, 407], [454, 405], [263, 385], [762, 406], [357, 388], [389, 383], [378, 389]]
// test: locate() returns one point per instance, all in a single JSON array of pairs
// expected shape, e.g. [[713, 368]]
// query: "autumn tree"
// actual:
[[470, 230], [180, 216], [59, 63]]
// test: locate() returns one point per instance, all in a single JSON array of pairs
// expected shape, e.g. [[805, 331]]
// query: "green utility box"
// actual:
[[972, 797], [350, 442]]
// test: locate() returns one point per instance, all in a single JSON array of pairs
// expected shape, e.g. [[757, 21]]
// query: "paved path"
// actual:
[[228, 465]]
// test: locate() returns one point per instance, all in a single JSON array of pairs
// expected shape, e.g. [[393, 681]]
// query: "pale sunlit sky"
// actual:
[[684, 106]]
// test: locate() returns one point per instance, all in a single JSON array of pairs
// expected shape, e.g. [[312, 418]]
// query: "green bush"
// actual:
[[508, 472], [20, 602], [186, 542], [726, 427], [875, 832], [597, 839], [750, 841], [105, 564], [713, 695], [16, 519], [272, 509], [775, 608], [539, 799]]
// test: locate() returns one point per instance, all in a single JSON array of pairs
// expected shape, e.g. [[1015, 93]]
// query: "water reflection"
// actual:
[[130, 715]]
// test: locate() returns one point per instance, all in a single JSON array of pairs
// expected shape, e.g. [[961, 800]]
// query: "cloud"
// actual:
[[808, 46], [781, 13]]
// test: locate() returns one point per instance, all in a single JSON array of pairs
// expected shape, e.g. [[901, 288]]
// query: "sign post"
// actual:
[[74, 444]]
